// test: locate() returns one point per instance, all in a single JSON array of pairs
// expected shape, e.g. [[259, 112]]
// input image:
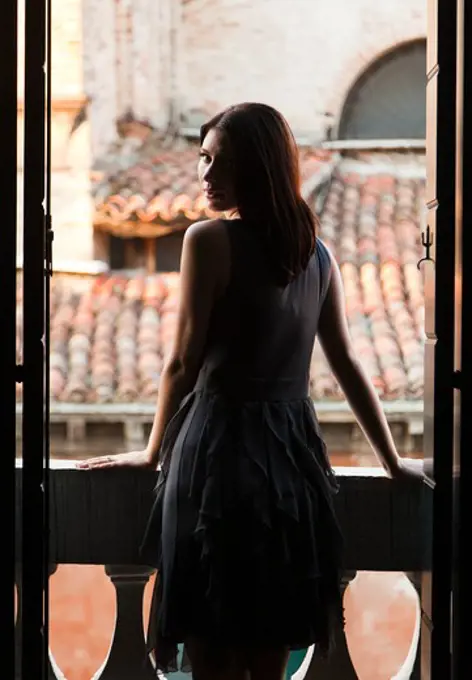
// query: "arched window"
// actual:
[[388, 101]]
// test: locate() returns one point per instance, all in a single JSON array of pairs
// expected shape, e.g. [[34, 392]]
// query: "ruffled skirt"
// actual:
[[243, 531]]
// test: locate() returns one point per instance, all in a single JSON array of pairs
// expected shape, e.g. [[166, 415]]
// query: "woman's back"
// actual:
[[244, 502], [261, 335]]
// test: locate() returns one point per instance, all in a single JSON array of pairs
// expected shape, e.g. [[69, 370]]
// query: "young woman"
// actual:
[[243, 530]]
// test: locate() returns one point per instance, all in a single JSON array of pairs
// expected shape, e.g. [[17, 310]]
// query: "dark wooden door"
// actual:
[[439, 275], [8, 164], [461, 663], [36, 267]]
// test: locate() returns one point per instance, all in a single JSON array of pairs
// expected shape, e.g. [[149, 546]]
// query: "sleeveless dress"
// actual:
[[243, 531]]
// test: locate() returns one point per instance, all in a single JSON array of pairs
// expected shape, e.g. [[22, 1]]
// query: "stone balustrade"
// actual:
[[98, 518]]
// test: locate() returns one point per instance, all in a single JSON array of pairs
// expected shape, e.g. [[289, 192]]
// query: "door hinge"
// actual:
[[19, 373], [457, 380]]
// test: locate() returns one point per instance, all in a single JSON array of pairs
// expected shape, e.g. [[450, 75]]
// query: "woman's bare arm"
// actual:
[[202, 271], [354, 381]]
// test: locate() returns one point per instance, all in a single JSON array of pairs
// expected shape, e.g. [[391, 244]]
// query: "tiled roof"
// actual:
[[109, 337], [371, 221], [147, 184], [108, 340]]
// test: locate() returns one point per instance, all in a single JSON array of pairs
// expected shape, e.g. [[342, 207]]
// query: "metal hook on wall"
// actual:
[[427, 242]]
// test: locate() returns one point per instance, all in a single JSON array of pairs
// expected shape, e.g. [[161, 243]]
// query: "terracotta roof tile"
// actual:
[[144, 186], [371, 221], [108, 342]]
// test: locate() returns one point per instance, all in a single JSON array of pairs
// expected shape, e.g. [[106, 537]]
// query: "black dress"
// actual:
[[242, 530]]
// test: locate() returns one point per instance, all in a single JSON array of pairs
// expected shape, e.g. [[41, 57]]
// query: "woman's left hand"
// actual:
[[134, 459], [409, 469]]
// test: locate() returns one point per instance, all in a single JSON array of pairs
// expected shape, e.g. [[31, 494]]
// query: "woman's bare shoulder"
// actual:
[[208, 241], [207, 230]]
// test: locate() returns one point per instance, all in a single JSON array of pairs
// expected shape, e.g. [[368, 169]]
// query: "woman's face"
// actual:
[[215, 172]]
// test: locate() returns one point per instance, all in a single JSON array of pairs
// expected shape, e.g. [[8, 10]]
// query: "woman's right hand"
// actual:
[[133, 459]]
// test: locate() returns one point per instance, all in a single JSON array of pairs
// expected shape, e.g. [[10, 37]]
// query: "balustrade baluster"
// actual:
[[127, 658]]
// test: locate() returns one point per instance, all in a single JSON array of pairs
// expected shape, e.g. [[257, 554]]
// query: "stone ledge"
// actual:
[[99, 517]]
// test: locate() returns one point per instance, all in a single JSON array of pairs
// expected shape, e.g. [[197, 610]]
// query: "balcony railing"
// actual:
[[99, 517]]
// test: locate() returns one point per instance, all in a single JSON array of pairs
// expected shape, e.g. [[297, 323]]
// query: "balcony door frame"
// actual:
[[8, 165], [26, 651], [448, 301]]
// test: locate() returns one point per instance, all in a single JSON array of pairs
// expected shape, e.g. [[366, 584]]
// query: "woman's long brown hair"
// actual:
[[268, 185]]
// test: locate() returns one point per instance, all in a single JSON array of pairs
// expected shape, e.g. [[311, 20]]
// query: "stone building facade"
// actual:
[[173, 63], [70, 138], [176, 63]]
